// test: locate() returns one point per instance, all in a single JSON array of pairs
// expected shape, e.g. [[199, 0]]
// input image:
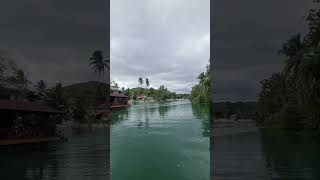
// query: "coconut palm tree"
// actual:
[[41, 88], [140, 80], [98, 63], [20, 79], [55, 96], [147, 82], [294, 50]]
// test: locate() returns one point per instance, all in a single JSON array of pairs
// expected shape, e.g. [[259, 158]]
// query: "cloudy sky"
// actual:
[[167, 41], [53, 39], [246, 37]]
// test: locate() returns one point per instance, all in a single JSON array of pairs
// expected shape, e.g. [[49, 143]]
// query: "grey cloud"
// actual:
[[246, 37], [53, 39], [161, 40]]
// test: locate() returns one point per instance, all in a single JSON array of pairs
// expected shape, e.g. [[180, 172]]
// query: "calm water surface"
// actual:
[[242, 151], [83, 157], [167, 141]]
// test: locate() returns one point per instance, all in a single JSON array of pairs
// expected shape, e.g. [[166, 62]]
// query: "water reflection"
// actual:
[[244, 151], [84, 156], [290, 156], [202, 111], [159, 141], [29, 162], [163, 110], [118, 117]]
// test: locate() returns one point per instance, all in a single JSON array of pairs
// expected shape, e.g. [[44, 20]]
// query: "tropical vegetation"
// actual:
[[291, 98], [74, 99], [200, 93], [160, 94]]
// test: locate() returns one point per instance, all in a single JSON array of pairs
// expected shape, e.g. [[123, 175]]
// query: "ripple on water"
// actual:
[[157, 135]]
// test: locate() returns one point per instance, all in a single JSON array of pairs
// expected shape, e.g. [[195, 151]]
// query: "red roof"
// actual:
[[115, 94], [26, 106]]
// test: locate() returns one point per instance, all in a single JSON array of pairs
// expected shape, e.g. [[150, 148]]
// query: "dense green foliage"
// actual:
[[291, 98], [81, 96], [201, 92], [87, 90], [74, 99], [160, 94], [11, 75]]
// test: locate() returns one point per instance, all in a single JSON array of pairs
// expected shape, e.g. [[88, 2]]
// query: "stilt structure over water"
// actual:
[[23, 122], [118, 101]]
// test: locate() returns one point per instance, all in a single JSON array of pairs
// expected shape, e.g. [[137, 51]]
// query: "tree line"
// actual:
[[291, 98], [74, 100], [149, 93], [200, 93]]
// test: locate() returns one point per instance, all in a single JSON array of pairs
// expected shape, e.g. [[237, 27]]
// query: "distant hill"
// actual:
[[87, 89]]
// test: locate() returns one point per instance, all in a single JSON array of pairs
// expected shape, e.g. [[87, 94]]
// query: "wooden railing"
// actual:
[[16, 133]]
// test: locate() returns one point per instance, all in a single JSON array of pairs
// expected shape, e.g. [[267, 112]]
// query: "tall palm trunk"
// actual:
[[94, 100]]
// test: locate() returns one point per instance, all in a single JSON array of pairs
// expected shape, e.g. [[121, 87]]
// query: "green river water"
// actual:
[[160, 141], [167, 141]]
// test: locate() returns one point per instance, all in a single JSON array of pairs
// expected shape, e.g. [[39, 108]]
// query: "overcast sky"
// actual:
[[246, 37], [53, 39], [167, 41]]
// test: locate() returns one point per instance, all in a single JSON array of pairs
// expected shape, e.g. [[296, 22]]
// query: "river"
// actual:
[[83, 157], [161, 141], [241, 151], [148, 141], [167, 141]]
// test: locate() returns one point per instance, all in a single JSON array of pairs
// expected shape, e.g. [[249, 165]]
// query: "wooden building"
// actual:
[[27, 122], [118, 101]]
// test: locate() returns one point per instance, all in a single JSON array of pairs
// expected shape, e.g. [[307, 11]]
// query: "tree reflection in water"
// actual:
[[163, 110], [118, 116], [31, 162], [290, 156], [202, 111]]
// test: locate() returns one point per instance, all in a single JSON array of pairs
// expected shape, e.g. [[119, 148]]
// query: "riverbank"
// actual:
[[153, 101]]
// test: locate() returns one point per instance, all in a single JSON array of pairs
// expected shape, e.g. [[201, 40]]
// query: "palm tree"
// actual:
[[140, 81], [98, 63], [293, 49], [41, 88], [147, 82], [55, 96], [20, 79]]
